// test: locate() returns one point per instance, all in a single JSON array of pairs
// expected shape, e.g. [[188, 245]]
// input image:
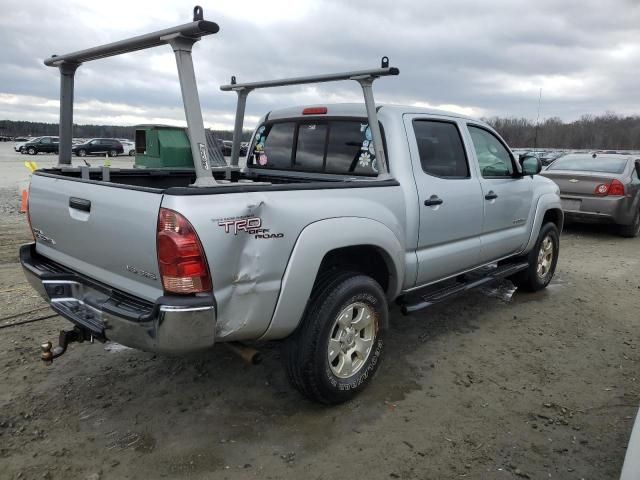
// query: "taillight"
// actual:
[[29, 216], [183, 266], [615, 188]]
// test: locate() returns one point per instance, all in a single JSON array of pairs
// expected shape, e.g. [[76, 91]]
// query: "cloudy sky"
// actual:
[[479, 58]]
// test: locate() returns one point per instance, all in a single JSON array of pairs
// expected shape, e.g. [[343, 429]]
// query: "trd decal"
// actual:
[[248, 225]]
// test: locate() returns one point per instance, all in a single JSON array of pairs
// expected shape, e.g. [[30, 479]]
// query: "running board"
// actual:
[[418, 302]]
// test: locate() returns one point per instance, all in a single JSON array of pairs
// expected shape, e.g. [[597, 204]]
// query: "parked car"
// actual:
[[631, 466], [98, 146], [19, 142], [547, 158], [308, 245], [41, 145], [600, 188], [227, 145], [129, 146]]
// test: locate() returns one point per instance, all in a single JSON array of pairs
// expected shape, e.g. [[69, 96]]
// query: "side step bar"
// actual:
[[418, 302]]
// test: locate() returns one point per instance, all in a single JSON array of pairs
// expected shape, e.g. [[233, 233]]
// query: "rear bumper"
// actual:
[[616, 210], [172, 324]]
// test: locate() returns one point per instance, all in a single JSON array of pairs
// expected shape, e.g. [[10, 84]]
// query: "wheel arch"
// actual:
[[548, 208], [353, 243]]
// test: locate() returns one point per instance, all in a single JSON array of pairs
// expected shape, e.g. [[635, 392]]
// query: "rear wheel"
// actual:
[[542, 259], [632, 230], [113, 153], [132, 153], [338, 345]]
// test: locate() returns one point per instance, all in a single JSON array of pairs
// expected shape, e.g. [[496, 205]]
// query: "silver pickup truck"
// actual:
[[328, 223]]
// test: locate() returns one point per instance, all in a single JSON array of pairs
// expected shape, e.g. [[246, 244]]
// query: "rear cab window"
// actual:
[[337, 146]]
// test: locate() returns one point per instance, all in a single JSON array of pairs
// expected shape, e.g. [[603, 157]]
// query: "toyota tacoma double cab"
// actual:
[[340, 210]]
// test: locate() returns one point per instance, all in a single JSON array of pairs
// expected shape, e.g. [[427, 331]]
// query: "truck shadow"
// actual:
[[213, 402]]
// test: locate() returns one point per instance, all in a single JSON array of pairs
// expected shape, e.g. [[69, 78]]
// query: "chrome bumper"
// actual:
[[172, 324]]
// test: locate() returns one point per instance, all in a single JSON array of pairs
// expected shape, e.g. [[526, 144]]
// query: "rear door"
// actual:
[[103, 232], [450, 198]]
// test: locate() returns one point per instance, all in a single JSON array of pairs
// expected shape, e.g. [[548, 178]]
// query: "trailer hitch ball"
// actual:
[[47, 354], [66, 337]]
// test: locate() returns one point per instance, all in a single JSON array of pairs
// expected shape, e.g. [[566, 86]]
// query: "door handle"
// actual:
[[433, 200], [80, 204], [491, 195]]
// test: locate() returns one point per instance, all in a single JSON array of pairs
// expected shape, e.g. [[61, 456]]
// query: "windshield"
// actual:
[[590, 164]]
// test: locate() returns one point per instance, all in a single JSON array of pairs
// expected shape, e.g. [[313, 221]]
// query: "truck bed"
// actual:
[[178, 182]]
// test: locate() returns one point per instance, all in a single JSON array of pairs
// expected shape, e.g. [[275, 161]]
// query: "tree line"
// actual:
[[11, 128], [608, 131]]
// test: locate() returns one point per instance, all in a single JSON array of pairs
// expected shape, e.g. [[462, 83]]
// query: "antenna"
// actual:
[[535, 140]]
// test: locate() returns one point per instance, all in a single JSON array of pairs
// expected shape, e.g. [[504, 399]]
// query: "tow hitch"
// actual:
[[66, 337]]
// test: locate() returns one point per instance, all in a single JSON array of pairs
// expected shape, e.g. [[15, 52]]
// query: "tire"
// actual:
[[32, 151], [322, 374], [112, 153], [82, 152], [633, 230], [132, 153], [541, 267]]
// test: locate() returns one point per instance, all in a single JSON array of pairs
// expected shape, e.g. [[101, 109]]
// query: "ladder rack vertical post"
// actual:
[[182, 47], [65, 132]]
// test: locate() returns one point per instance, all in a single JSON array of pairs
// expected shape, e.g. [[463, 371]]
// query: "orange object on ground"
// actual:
[[25, 201]]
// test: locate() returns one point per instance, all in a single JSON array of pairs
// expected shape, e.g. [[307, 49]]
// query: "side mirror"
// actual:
[[531, 165]]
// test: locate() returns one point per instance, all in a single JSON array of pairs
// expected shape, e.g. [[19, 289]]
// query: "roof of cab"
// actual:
[[358, 110]]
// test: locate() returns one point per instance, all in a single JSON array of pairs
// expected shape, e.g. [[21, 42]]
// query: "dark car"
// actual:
[[548, 158], [98, 146], [41, 145], [226, 146], [599, 189]]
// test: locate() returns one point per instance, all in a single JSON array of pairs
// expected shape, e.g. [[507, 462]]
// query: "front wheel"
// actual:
[[82, 152], [113, 153], [32, 151], [542, 259], [132, 153], [338, 345]]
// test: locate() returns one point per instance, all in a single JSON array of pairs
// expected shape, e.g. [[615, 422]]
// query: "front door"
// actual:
[[508, 197], [449, 195]]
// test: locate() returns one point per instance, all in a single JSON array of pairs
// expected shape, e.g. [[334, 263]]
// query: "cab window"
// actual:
[[310, 146], [441, 150], [273, 145], [493, 157], [328, 146]]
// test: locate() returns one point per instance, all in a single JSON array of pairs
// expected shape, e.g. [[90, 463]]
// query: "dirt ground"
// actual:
[[539, 386]]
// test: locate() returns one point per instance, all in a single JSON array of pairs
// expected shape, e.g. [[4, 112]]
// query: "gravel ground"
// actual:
[[486, 387]]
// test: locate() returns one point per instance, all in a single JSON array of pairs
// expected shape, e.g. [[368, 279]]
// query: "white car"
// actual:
[[631, 467], [129, 146], [20, 141]]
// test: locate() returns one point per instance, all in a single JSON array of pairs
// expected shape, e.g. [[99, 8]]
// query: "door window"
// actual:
[[46, 140], [493, 157], [441, 150]]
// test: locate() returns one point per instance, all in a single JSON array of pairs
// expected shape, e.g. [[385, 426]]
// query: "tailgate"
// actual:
[[106, 233]]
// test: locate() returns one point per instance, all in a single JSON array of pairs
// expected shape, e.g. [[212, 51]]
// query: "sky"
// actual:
[[482, 59]]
